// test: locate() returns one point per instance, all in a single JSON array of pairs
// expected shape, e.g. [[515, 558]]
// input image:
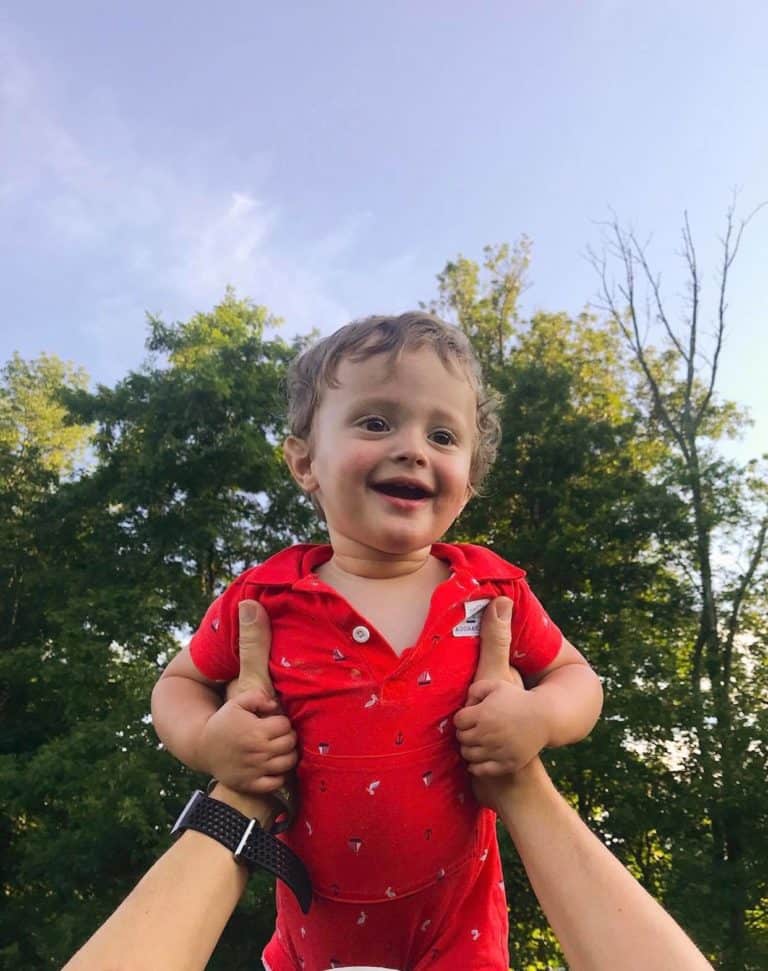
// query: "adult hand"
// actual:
[[498, 729], [246, 753]]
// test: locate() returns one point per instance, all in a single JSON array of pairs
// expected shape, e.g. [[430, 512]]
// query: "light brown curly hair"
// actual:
[[315, 369]]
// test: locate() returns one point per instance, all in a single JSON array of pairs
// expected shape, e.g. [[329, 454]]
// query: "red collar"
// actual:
[[295, 563]]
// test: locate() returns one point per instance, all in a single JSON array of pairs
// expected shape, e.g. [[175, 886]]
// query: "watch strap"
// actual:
[[249, 843]]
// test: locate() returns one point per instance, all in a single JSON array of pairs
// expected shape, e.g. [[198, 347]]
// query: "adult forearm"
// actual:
[[180, 710], [174, 916], [601, 915]]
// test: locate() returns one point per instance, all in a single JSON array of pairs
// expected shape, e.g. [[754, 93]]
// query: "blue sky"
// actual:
[[327, 158]]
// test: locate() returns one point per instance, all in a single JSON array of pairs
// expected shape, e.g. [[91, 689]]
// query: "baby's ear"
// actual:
[[298, 458]]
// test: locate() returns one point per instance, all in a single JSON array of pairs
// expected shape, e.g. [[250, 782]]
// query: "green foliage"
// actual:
[[33, 420], [484, 298], [106, 569]]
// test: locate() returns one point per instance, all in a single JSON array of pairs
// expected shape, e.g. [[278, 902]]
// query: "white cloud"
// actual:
[[147, 236]]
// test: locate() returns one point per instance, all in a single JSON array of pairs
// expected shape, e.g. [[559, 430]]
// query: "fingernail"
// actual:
[[248, 612], [504, 609]]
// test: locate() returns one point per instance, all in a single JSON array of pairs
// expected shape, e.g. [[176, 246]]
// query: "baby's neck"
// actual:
[[347, 567], [396, 603]]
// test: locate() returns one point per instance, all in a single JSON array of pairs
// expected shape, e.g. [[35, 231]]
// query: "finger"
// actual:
[[254, 643], [263, 785], [479, 691], [468, 738], [474, 754], [255, 700], [280, 764], [485, 770], [275, 727], [464, 719], [272, 738], [495, 634]]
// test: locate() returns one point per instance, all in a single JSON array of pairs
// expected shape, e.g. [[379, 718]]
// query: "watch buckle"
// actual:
[[181, 821], [244, 839]]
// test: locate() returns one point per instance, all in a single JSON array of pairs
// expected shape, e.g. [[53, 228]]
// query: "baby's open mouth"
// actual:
[[401, 490]]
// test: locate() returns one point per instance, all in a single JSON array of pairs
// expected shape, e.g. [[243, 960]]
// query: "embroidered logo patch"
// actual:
[[473, 615]]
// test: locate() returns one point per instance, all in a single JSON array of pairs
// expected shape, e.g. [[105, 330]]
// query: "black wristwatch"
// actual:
[[250, 844]]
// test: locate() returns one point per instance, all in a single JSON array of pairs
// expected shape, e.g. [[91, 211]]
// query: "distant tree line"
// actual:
[[125, 509]]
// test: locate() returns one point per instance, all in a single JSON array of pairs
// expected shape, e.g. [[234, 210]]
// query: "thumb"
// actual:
[[495, 634], [258, 701], [254, 643]]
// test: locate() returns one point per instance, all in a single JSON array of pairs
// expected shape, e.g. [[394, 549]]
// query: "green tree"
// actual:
[[483, 298], [723, 662], [575, 499], [186, 487], [33, 418]]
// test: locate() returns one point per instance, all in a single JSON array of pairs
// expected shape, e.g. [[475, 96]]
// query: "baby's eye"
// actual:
[[441, 436], [374, 424]]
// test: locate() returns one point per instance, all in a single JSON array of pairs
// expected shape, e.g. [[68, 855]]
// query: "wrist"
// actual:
[[524, 788], [260, 808]]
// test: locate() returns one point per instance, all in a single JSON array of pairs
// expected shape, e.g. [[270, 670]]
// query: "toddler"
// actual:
[[374, 646]]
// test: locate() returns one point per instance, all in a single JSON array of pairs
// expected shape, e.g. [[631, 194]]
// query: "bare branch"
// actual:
[[689, 251], [629, 252], [731, 247], [741, 592], [655, 284]]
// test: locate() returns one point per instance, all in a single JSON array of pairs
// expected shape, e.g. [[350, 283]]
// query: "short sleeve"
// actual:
[[213, 647], [536, 639]]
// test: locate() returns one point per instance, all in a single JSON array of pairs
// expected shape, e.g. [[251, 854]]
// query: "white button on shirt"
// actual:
[[361, 634]]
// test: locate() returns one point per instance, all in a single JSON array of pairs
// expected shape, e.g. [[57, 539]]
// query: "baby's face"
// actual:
[[390, 453]]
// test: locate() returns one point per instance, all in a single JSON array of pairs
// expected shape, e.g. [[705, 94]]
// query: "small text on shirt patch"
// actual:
[[473, 615]]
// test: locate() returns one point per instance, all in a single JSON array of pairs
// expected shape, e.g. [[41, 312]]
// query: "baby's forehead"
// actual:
[[381, 365]]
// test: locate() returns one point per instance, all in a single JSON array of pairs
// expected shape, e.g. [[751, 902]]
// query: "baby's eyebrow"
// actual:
[[393, 404], [375, 403]]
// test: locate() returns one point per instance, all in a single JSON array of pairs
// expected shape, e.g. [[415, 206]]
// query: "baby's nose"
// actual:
[[409, 447]]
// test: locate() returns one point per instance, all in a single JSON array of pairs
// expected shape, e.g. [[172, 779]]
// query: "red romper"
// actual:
[[404, 863]]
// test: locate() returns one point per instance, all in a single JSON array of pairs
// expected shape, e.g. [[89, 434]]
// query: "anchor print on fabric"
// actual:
[[389, 892], [372, 787], [362, 918], [371, 701], [475, 933]]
